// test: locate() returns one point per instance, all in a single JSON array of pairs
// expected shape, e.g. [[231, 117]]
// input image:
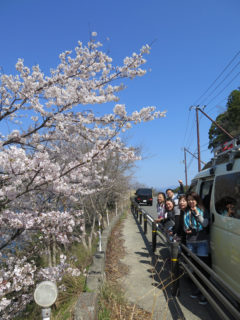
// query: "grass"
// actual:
[[77, 256], [80, 258], [112, 303], [67, 299], [111, 300], [31, 312]]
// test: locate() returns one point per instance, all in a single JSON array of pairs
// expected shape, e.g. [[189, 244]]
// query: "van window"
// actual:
[[205, 193], [227, 195], [193, 186]]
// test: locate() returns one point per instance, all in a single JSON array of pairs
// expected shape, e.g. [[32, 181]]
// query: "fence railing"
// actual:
[[224, 300]]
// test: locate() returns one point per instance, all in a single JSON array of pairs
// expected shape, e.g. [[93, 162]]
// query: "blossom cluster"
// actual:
[[20, 276], [58, 152]]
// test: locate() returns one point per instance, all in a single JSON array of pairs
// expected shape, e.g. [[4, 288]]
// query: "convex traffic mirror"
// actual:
[[45, 294]]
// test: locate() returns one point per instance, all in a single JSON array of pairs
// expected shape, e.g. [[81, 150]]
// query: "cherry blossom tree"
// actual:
[[56, 154]]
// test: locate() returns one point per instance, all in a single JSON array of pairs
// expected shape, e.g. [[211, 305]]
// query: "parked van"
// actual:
[[144, 196], [219, 188]]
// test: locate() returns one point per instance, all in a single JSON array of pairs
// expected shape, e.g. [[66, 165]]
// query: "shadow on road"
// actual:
[[182, 306]]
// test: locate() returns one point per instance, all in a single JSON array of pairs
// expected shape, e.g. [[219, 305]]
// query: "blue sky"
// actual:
[[192, 43]]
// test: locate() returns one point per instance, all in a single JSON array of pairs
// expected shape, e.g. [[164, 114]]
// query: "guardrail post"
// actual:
[[174, 268], [154, 236], [140, 217], [145, 223]]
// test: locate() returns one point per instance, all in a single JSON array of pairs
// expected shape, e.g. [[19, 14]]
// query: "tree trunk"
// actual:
[[107, 217], [54, 251], [49, 256]]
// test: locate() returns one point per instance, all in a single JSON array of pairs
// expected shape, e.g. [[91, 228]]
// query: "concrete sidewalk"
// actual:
[[148, 281]]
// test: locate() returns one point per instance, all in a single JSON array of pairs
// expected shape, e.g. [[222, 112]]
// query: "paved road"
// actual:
[[147, 283]]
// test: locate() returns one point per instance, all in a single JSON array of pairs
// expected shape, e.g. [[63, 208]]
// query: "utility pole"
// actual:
[[192, 154], [185, 162], [198, 137], [198, 142]]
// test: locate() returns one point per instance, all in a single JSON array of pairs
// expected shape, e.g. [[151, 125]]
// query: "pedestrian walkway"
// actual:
[[148, 281]]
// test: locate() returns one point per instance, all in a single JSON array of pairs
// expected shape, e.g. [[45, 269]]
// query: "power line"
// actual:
[[204, 150], [211, 85], [186, 126], [222, 81], [188, 142], [207, 90], [222, 100], [189, 139], [190, 162], [203, 145], [217, 77], [224, 87]]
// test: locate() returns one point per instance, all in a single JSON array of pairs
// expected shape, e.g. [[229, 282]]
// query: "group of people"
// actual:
[[185, 219]]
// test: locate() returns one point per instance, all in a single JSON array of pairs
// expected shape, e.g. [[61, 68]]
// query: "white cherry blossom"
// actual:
[[56, 156]]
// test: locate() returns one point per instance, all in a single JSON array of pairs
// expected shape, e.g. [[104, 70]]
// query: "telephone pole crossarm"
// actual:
[[216, 124], [194, 155]]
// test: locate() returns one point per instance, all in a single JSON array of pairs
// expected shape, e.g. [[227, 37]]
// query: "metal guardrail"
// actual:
[[224, 300]]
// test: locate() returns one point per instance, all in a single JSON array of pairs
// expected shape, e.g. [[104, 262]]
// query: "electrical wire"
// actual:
[[205, 92], [186, 126], [222, 100], [188, 142], [190, 162], [221, 73], [221, 82], [203, 145], [228, 74], [204, 150], [224, 87]]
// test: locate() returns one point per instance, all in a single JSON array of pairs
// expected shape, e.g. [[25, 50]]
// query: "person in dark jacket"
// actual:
[[178, 229], [169, 221]]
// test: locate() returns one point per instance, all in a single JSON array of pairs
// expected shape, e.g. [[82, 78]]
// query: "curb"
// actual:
[[87, 303]]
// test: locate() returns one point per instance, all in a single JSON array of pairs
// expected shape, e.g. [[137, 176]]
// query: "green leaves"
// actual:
[[229, 120]]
